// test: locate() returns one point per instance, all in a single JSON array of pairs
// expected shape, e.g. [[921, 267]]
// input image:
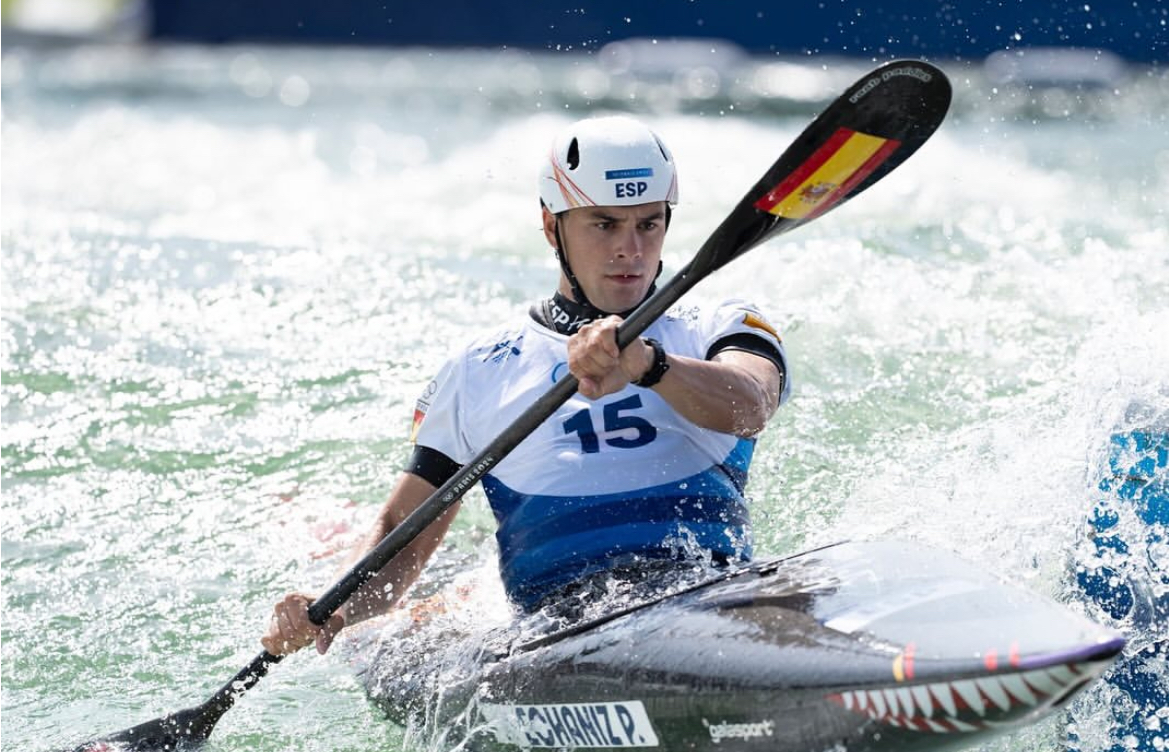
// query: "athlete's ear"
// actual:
[[549, 221]]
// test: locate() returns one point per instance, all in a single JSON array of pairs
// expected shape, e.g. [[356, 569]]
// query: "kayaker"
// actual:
[[647, 462]]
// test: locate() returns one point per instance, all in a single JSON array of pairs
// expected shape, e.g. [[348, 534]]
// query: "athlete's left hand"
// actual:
[[597, 363]]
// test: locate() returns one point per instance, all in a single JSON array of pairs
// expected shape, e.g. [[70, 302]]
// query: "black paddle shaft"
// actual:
[[868, 131]]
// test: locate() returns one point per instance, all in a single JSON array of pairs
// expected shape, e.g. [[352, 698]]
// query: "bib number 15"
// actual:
[[622, 430]]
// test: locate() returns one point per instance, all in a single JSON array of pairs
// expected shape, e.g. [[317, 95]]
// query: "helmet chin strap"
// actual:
[[579, 295]]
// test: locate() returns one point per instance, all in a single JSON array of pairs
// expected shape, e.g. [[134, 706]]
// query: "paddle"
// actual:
[[868, 131]]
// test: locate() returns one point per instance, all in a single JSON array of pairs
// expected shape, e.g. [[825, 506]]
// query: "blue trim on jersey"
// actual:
[[738, 462], [546, 542]]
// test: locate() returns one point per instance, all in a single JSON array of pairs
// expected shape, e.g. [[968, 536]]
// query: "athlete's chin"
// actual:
[[622, 303], [623, 293]]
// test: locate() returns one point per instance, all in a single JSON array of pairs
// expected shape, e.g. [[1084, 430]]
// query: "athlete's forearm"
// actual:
[[386, 587], [736, 392]]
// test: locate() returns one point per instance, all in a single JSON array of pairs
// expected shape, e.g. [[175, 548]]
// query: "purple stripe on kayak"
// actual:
[[1100, 651]]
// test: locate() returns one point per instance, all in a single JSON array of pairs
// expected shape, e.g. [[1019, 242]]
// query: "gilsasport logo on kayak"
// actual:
[[742, 731], [600, 725]]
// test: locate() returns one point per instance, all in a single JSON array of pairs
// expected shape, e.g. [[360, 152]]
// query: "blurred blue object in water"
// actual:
[[1128, 580]]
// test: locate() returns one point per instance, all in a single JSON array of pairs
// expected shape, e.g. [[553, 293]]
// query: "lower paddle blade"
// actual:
[[188, 728], [185, 729], [868, 131], [173, 732]]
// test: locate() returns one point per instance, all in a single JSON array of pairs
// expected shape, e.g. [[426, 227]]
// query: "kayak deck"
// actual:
[[857, 646]]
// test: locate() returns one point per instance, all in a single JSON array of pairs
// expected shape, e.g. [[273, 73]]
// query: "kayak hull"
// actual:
[[855, 647]]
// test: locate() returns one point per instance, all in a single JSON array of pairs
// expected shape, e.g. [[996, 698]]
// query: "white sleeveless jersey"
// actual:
[[600, 482]]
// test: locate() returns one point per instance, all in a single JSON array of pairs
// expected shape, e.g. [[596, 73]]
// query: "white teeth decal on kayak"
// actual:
[[942, 693], [922, 696], [993, 690], [1019, 690], [907, 699], [936, 707], [892, 703], [1042, 683], [969, 693]]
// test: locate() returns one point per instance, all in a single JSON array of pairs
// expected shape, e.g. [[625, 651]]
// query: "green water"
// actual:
[[227, 273]]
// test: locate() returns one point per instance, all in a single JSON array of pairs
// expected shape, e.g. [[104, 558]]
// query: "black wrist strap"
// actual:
[[657, 369]]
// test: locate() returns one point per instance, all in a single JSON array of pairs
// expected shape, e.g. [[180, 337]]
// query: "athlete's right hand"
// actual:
[[600, 367], [290, 628]]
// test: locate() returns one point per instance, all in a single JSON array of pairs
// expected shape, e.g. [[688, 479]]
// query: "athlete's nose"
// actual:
[[629, 244]]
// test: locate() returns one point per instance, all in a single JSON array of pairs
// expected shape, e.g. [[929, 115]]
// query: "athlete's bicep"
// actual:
[[408, 495], [762, 370], [760, 349]]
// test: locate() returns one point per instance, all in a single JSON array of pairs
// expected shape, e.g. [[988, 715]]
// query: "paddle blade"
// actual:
[[868, 131], [188, 728], [177, 731]]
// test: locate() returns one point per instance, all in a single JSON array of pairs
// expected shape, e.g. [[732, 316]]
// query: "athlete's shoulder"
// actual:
[[743, 314], [448, 391], [707, 314], [495, 344]]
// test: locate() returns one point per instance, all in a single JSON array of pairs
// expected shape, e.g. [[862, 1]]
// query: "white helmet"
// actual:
[[608, 161]]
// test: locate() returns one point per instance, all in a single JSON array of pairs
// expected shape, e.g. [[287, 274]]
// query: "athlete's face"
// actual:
[[613, 251]]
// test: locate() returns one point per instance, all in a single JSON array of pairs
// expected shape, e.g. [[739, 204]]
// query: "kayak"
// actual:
[[856, 646]]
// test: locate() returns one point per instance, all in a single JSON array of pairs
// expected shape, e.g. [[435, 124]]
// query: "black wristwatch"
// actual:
[[657, 369]]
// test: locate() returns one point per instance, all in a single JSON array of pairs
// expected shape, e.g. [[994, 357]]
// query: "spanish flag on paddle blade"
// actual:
[[833, 170]]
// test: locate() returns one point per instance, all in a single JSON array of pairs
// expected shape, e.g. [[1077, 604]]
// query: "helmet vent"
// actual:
[[662, 149], [574, 155]]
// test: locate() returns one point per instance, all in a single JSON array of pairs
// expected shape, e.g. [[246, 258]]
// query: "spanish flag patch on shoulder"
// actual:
[[755, 322]]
